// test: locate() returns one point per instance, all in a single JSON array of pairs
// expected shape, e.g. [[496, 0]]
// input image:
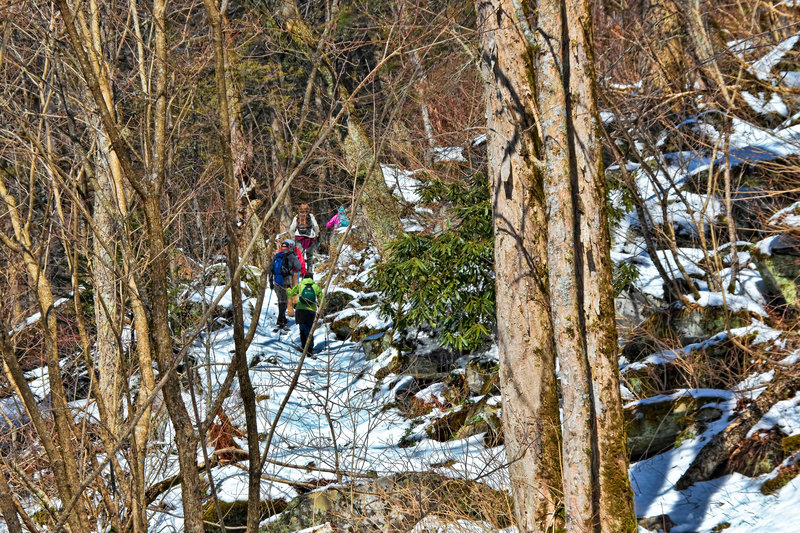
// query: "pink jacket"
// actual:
[[334, 221]]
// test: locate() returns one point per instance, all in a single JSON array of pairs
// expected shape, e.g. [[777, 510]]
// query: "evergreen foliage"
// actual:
[[445, 279]]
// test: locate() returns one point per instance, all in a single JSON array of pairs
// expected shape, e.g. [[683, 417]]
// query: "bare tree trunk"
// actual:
[[524, 329], [240, 348], [613, 501], [7, 508]]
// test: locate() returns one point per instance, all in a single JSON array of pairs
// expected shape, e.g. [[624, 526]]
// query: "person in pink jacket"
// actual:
[[339, 220]]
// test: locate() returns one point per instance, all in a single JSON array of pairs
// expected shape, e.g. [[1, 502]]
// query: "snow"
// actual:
[[449, 153], [761, 105], [788, 216], [401, 182], [763, 66]]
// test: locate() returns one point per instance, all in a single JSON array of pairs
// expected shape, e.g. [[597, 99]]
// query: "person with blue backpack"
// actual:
[[282, 269], [306, 309]]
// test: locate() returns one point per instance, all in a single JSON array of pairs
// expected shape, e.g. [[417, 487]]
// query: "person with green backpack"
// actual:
[[306, 309]]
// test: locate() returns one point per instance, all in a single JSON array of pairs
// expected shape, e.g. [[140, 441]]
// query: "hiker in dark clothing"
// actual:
[[310, 294], [282, 268], [305, 230]]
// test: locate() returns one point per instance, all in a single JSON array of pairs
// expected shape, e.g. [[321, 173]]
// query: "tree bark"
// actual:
[[563, 259], [524, 329], [245, 386], [614, 499]]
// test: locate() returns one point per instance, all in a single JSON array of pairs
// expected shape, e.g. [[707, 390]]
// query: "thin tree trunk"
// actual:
[[7, 508], [524, 329], [560, 186], [245, 385]]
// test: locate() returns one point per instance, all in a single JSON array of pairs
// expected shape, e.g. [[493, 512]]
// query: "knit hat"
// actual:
[[341, 209], [288, 242]]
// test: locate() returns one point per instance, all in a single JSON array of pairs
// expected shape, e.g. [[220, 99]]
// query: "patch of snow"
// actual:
[[449, 153], [763, 66], [784, 415], [788, 216], [401, 182], [761, 105]]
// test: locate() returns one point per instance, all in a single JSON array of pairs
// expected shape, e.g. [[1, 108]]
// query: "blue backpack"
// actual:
[[280, 269]]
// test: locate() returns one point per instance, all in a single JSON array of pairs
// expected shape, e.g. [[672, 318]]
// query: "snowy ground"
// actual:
[[335, 420]]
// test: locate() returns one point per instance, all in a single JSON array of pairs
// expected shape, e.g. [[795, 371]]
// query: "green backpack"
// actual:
[[308, 296]]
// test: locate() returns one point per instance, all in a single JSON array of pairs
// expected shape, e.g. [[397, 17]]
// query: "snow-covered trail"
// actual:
[[338, 422]]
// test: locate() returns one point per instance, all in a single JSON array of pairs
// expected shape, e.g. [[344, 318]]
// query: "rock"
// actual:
[[655, 427], [680, 325], [235, 513], [661, 523], [376, 343], [466, 420], [632, 306], [780, 269], [336, 301], [481, 376], [393, 503]]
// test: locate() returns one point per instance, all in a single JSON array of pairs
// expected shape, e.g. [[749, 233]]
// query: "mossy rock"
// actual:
[[394, 503], [655, 427], [335, 301], [710, 367], [343, 328], [375, 343], [486, 421], [791, 444], [234, 514], [679, 325], [785, 475], [781, 269], [464, 421]]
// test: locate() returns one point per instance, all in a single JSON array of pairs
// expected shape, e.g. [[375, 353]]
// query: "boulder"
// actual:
[[654, 427], [657, 524], [633, 306], [678, 325], [393, 503], [779, 266], [481, 376]]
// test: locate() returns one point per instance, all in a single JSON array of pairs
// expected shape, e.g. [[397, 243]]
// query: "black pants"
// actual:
[[305, 319]]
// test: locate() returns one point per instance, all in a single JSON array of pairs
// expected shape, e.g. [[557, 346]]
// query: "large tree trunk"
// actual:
[[614, 501], [524, 330]]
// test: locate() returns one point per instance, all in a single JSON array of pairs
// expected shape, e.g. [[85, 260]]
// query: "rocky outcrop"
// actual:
[[393, 503], [657, 426]]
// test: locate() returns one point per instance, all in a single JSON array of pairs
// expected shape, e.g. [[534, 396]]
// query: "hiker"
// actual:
[[309, 294], [339, 220], [296, 276], [305, 230], [282, 269]]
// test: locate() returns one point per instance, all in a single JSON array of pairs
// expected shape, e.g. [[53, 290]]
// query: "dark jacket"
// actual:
[[290, 259]]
